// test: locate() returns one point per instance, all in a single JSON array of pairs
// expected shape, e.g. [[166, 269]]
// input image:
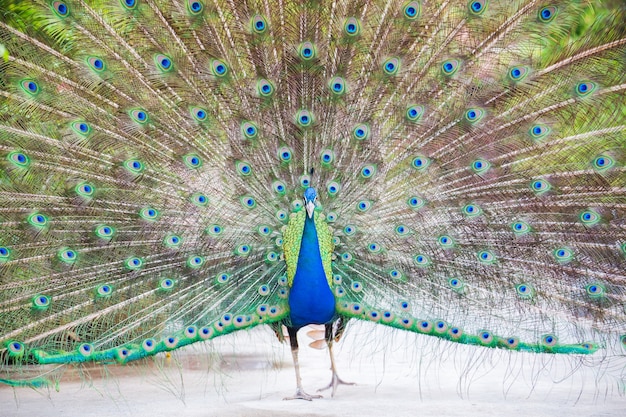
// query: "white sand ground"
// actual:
[[398, 374]]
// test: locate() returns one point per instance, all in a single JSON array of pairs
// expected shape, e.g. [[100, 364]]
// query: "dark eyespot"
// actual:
[[547, 14], [258, 23], [60, 8], [412, 10], [163, 62], [517, 74], [219, 68], [352, 27], [307, 51], [477, 7], [585, 88], [391, 66], [450, 67], [539, 131]]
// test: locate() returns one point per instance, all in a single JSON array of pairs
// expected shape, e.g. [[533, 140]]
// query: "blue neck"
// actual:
[[311, 300]]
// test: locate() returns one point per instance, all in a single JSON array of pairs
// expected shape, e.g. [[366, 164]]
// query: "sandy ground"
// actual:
[[398, 374]]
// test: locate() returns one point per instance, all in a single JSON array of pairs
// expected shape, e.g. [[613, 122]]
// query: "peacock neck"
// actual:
[[311, 300]]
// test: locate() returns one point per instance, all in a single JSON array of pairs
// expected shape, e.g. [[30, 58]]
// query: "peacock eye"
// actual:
[[163, 62], [195, 7], [517, 74], [416, 203], [421, 260], [5, 254], [243, 250], [333, 188], [420, 163], [474, 115], [589, 218], [477, 7], [284, 154], [603, 163], [172, 241], [563, 255], [199, 114], [361, 132], [139, 116], [30, 86], [549, 340], [540, 186], [265, 88], [547, 14], [60, 8], [248, 202], [337, 86], [486, 257], [258, 24], [192, 161], [305, 180], [67, 255], [129, 4], [472, 210], [41, 302], [595, 290], [585, 88], [307, 51], [134, 166], [133, 263], [520, 228], [391, 66], [539, 131], [327, 156], [18, 159], [480, 166], [304, 118], [352, 27], [243, 168], [450, 67], [412, 10], [195, 261], [219, 68], [414, 113], [148, 213], [84, 190], [38, 220], [249, 130], [279, 187], [446, 241], [82, 128]]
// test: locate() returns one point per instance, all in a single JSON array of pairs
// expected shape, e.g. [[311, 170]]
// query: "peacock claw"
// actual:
[[301, 395], [334, 383]]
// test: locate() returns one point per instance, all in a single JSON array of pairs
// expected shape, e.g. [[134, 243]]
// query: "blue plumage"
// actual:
[[311, 300]]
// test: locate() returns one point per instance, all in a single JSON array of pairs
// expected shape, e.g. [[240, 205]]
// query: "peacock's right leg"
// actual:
[[300, 394], [331, 336]]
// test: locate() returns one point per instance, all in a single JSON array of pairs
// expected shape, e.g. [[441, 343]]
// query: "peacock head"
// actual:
[[310, 197]]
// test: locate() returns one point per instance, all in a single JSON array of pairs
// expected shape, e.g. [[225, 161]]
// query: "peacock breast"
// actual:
[[308, 253]]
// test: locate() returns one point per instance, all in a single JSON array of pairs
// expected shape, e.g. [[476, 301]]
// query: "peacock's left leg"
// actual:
[[300, 394], [333, 334]]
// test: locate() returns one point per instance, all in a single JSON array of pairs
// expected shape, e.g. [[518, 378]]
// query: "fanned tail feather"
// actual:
[[469, 159]]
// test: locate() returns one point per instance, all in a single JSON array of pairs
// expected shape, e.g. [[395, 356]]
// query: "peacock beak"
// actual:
[[310, 208]]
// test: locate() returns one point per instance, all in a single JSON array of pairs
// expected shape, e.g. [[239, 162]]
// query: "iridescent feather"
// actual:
[[157, 162]]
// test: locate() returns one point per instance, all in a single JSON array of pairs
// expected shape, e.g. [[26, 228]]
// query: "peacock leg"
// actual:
[[300, 394], [335, 380]]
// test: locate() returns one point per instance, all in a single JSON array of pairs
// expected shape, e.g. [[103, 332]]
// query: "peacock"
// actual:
[[172, 171]]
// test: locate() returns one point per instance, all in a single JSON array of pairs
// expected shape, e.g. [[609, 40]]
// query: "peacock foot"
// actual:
[[334, 383], [301, 395]]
